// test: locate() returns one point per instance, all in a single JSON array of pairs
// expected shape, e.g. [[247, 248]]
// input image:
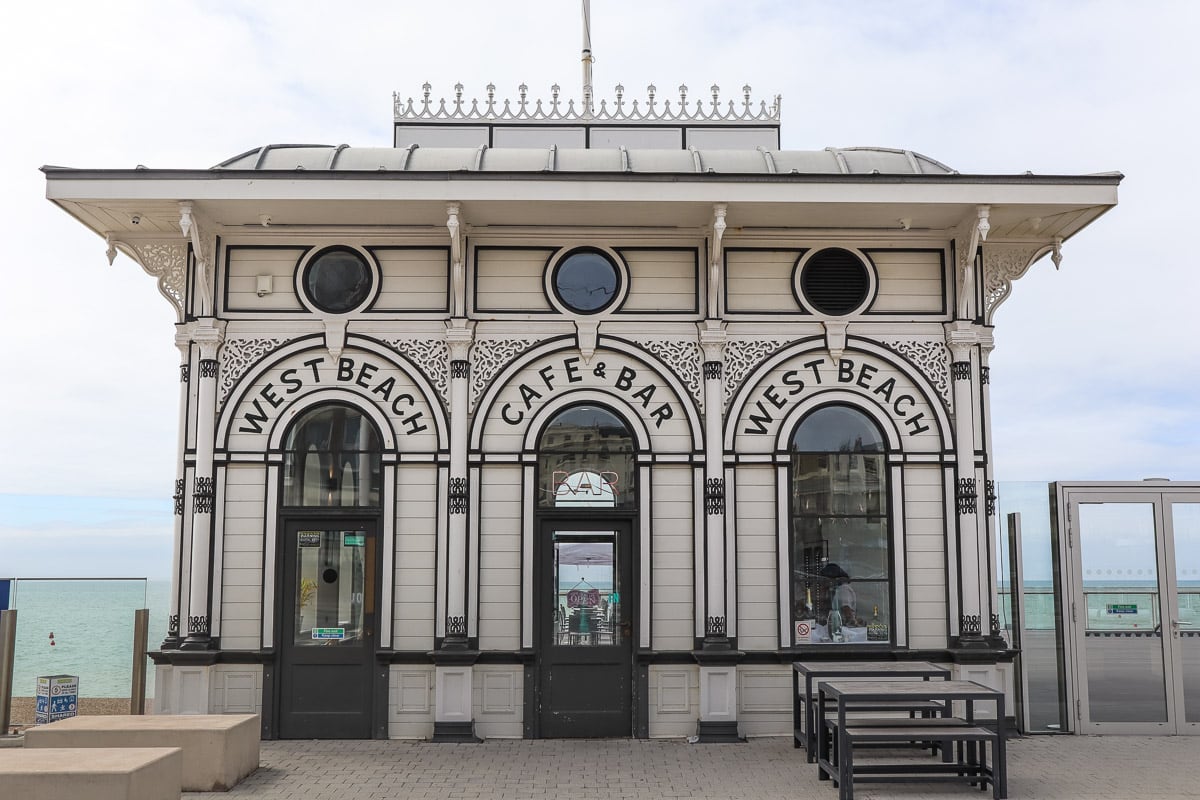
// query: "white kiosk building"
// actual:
[[553, 421]]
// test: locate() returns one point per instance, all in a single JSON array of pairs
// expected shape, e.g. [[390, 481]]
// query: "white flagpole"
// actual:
[[587, 57]]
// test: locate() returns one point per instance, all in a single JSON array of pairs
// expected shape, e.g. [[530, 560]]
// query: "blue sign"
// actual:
[[5, 594]]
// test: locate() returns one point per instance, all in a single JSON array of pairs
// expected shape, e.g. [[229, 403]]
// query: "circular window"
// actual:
[[337, 280], [586, 281], [835, 282]]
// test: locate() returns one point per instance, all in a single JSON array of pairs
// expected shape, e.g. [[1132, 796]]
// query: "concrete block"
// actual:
[[218, 749], [97, 773]]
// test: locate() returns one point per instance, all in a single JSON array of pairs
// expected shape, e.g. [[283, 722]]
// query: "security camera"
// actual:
[[136, 219]]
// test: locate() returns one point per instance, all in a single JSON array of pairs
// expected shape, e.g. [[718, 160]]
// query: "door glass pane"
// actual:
[[587, 592], [1185, 521], [331, 600], [1122, 630]]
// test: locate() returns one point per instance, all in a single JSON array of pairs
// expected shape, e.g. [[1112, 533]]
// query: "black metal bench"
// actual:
[[971, 765]]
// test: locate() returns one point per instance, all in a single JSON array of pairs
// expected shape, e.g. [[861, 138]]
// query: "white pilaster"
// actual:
[[961, 337], [208, 335], [716, 617], [183, 340]]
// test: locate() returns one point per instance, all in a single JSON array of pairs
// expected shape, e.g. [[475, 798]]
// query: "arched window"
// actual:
[[586, 460], [841, 553], [331, 459]]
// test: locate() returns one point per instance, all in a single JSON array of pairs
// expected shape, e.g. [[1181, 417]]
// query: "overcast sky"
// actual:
[[1094, 374]]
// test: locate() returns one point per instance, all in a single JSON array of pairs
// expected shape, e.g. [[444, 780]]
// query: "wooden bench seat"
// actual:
[[218, 749], [95, 773]]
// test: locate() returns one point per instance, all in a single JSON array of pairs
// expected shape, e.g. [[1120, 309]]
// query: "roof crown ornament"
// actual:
[[526, 110]]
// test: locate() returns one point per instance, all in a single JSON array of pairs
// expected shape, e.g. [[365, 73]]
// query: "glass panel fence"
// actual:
[[83, 628], [1041, 657]]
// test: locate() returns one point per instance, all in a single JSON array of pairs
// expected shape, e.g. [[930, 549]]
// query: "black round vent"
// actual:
[[835, 281]]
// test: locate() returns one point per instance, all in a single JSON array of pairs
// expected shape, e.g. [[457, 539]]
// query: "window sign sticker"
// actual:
[[354, 539], [310, 538], [804, 631], [1121, 608], [329, 633]]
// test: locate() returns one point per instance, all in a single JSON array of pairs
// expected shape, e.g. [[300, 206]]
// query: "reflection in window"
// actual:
[[333, 587], [587, 595], [337, 280], [841, 581], [586, 281], [586, 459], [332, 458]]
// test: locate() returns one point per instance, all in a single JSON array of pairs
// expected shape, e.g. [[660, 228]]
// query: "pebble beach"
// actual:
[[23, 708]]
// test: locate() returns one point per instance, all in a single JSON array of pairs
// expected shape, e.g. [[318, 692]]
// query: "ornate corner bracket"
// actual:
[[165, 260], [1005, 263]]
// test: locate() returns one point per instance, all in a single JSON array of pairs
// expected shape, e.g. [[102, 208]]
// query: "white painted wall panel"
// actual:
[[661, 280], [414, 608], [235, 689], [410, 701], [245, 264], [413, 280], [671, 544], [757, 572], [765, 701], [760, 281], [498, 698], [908, 281], [500, 557], [242, 556], [923, 520], [510, 280], [674, 700]]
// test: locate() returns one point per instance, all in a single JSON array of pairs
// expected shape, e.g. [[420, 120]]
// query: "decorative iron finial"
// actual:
[[525, 110]]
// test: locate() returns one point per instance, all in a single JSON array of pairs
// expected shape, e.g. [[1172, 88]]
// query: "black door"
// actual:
[[584, 610], [328, 612]]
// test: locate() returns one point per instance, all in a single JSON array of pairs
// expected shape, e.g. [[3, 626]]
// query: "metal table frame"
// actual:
[[813, 670], [857, 694]]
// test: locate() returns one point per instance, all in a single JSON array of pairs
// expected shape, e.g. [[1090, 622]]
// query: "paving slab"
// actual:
[[1040, 768]]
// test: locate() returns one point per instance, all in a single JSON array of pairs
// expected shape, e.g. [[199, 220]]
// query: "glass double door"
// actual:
[[584, 629], [1134, 611], [328, 606]]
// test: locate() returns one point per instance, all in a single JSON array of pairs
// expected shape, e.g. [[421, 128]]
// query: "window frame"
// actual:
[[294, 458], [630, 504], [560, 258], [306, 263], [888, 497]]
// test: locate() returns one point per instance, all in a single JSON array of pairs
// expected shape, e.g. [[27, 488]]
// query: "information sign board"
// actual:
[[57, 698]]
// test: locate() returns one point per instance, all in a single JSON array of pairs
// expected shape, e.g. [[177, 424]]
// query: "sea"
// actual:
[[84, 628]]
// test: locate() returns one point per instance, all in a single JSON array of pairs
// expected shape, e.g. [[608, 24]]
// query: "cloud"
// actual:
[[1094, 370]]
